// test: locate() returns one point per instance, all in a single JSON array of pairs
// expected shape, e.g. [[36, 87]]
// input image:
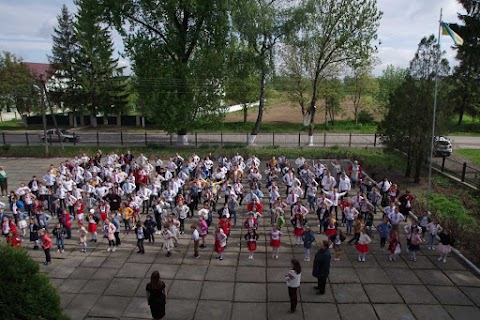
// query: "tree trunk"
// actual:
[[82, 120], [119, 119], [460, 115], [307, 118], [261, 103], [245, 112], [105, 120], [93, 119], [408, 171], [418, 168]]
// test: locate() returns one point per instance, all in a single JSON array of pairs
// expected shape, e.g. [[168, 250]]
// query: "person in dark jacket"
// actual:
[[321, 266]]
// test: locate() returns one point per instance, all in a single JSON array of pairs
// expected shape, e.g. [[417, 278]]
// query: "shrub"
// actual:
[[365, 117], [25, 293]]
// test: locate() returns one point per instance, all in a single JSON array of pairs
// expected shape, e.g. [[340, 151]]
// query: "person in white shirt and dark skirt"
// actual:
[[293, 278]]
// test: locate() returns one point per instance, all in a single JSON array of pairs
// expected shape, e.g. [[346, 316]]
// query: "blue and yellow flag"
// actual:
[[447, 31]]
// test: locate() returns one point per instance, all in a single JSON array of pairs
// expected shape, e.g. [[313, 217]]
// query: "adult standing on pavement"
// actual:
[[156, 296], [293, 279], [321, 266], [3, 181]]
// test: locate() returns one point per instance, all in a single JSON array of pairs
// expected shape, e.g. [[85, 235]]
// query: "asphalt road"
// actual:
[[263, 139]]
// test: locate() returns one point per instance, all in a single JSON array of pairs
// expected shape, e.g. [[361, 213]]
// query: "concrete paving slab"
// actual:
[[361, 310], [207, 310], [463, 312], [251, 274], [217, 291], [66, 298], [343, 275], [416, 294], [279, 311], [249, 310], [110, 306], [393, 311], [61, 271], [463, 278], [104, 273], [217, 273], [167, 271], [421, 263], [433, 277], [450, 295], [473, 293], [374, 275], [452, 264], [56, 282], [133, 270], [326, 310], [382, 293], [430, 312], [83, 273], [309, 294], [183, 289], [187, 272], [402, 276], [142, 288], [138, 308], [93, 262], [148, 258], [114, 262], [349, 293], [124, 287], [79, 307], [95, 286], [277, 292], [250, 292], [71, 286], [277, 274], [179, 309]]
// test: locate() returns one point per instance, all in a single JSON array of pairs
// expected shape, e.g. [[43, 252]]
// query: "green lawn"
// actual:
[[469, 126], [12, 125], [470, 154]]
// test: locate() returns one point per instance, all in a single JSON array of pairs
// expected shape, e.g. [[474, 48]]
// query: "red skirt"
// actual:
[[330, 232], [275, 243], [103, 215], [92, 227], [362, 248], [298, 232], [218, 247], [252, 246]]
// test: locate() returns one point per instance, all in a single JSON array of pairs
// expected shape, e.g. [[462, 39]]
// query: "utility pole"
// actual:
[[44, 115]]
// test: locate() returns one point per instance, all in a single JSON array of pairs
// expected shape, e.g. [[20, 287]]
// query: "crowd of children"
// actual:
[[155, 198]]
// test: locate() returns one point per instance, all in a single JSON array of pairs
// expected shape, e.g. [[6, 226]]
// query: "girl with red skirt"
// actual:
[[251, 238]]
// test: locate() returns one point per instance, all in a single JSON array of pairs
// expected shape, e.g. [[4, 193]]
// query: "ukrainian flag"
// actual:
[[446, 30]]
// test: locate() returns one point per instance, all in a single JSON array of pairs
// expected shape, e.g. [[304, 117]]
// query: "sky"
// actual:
[[26, 28]]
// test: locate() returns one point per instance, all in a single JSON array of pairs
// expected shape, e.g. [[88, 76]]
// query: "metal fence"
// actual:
[[198, 139], [461, 170]]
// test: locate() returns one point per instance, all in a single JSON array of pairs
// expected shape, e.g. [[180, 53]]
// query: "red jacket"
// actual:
[[67, 223], [258, 205], [225, 225], [47, 242], [79, 208]]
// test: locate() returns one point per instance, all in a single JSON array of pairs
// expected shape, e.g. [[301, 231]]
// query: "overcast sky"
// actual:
[[26, 27]]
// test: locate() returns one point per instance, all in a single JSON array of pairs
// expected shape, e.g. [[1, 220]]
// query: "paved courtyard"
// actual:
[[99, 284]]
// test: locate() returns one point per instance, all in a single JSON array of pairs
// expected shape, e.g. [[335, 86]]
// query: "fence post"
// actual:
[[324, 139], [98, 139], [443, 163], [221, 138], [121, 138], [350, 140], [464, 171], [375, 140], [3, 136], [196, 140], [26, 137], [246, 138], [50, 138], [146, 142], [299, 139], [273, 138]]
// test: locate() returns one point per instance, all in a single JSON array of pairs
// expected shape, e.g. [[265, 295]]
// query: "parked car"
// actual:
[[442, 147], [52, 136]]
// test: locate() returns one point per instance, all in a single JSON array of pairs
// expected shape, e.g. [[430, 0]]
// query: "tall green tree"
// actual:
[[97, 73], [18, 88], [466, 95], [64, 91], [261, 24], [241, 84], [333, 93], [178, 51], [360, 86], [408, 122], [333, 34], [392, 78]]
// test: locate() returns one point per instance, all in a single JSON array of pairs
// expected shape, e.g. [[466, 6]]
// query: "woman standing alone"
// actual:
[[293, 278], [156, 296]]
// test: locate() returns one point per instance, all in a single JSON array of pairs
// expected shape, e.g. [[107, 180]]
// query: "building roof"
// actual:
[[39, 70]]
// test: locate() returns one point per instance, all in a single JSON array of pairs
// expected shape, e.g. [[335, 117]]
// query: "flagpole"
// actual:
[[437, 63]]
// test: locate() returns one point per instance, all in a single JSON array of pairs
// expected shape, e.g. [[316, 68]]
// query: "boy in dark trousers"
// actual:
[[140, 232], [59, 233], [150, 225]]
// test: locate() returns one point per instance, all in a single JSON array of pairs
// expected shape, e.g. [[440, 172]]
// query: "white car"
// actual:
[[442, 147]]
